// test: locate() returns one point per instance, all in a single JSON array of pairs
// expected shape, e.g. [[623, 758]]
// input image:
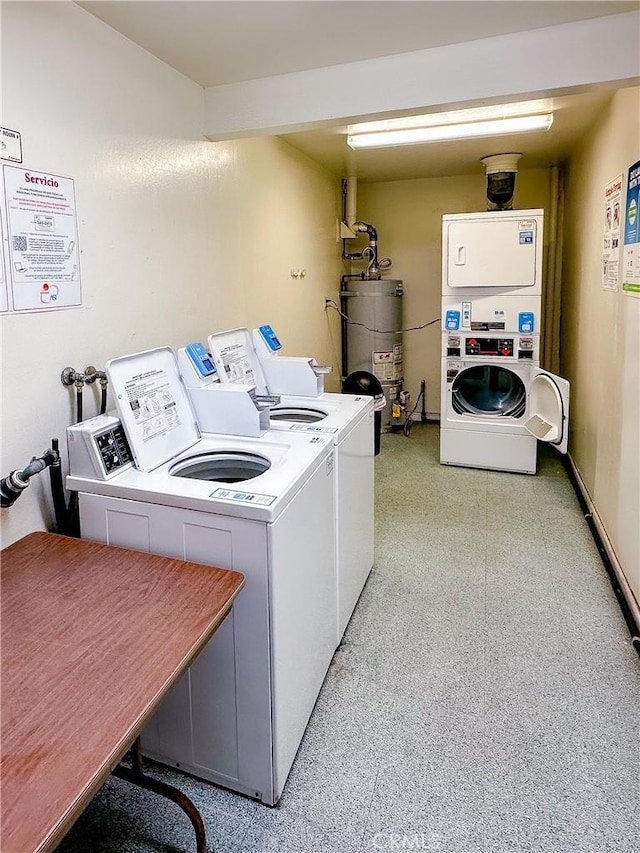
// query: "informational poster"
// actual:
[[43, 254], [611, 241], [4, 293], [631, 248]]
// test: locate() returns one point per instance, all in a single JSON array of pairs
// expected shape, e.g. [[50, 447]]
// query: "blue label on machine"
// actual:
[[526, 238], [201, 359], [452, 321], [525, 322], [269, 337]]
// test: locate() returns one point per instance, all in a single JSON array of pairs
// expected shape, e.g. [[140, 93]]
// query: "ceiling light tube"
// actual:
[[442, 133], [496, 111]]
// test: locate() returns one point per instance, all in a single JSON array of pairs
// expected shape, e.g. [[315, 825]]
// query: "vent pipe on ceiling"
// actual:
[[501, 170]]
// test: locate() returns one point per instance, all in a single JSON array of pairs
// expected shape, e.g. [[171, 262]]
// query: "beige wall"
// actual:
[[408, 218], [600, 334], [179, 236], [288, 209]]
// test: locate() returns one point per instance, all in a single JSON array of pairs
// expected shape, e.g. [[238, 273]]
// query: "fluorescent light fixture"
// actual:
[[496, 120], [522, 108]]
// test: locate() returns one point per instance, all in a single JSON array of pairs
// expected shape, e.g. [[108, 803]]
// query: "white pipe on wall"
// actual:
[[553, 301], [352, 199]]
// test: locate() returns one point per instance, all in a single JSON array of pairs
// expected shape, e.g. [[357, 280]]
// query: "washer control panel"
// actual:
[[113, 448], [98, 448]]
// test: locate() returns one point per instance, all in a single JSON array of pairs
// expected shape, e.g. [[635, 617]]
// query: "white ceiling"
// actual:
[[227, 41], [216, 42]]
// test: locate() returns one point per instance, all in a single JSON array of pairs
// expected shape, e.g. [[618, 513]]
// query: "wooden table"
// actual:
[[93, 637]]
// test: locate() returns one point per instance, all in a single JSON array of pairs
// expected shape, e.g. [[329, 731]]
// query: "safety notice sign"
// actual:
[[43, 255]]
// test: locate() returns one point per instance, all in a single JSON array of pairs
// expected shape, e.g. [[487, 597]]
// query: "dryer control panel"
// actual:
[[489, 346], [520, 347]]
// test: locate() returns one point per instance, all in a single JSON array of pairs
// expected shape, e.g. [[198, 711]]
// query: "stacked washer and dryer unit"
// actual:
[[496, 401]]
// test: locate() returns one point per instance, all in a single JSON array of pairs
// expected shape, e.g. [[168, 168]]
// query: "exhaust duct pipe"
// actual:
[[501, 170]]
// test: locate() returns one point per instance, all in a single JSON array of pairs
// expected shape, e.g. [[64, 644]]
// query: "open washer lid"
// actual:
[[153, 406], [236, 359]]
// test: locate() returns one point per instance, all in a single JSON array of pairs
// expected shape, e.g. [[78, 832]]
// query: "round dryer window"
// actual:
[[489, 389], [222, 466], [297, 414]]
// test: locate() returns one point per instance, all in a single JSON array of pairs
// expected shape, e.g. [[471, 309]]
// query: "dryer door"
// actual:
[[488, 390], [549, 408]]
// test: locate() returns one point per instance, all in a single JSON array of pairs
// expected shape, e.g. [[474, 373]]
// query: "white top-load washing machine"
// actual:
[[345, 418], [263, 506]]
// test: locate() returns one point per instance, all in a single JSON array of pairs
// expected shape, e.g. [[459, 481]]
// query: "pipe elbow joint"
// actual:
[[365, 227]]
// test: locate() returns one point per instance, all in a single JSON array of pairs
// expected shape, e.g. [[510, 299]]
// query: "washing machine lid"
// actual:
[[236, 359], [549, 408], [153, 406]]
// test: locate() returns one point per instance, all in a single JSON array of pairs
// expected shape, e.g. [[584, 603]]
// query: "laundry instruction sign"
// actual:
[[42, 253], [631, 253], [611, 240]]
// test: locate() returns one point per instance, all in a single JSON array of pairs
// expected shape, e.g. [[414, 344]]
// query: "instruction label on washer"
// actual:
[[152, 403], [237, 364], [243, 497], [312, 428]]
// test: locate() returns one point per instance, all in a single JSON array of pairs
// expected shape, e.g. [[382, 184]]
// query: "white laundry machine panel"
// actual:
[[262, 506], [484, 346], [490, 313], [349, 421], [499, 251], [495, 409]]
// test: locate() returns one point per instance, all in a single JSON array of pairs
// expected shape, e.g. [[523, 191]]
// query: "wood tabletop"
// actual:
[[93, 636]]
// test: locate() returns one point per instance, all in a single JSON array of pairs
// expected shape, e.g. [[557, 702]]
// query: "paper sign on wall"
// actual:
[[43, 254], [611, 239], [4, 293], [631, 253], [10, 145]]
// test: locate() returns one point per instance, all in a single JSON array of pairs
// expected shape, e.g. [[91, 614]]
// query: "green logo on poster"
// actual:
[[632, 213]]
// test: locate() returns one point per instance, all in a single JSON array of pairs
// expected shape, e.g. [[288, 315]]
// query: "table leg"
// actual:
[[137, 776]]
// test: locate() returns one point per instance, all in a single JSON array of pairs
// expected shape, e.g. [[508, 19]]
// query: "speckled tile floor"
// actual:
[[484, 698]]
